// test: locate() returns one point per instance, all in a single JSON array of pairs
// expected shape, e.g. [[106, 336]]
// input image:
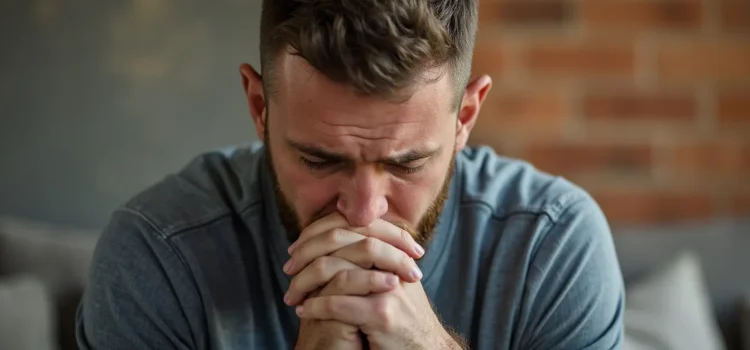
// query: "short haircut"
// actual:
[[378, 47]]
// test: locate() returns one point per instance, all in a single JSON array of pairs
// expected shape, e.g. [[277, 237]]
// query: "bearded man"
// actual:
[[363, 219]]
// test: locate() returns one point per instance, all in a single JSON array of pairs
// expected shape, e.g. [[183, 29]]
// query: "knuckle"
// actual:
[[384, 313], [336, 235], [405, 236], [371, 245], [375, 279], [380, 309], [330, 306], [321, 265], [294, 284], [406, 261], [342, 279]]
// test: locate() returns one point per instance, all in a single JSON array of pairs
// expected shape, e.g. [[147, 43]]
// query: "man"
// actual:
[[364, 220]]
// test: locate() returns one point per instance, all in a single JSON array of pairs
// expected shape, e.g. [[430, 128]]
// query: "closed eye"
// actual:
[[317, 165], [410, 170], [410, 167]]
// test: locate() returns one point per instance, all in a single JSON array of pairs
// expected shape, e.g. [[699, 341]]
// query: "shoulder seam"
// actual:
[[553, 224], [176, 252], [552, 211], [143, 217], [503, 216], [171, 233]]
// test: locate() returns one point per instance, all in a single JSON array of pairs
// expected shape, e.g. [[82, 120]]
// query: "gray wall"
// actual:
[[99, 99]]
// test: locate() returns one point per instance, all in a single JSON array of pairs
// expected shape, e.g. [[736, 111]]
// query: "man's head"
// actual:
[[363, 106]]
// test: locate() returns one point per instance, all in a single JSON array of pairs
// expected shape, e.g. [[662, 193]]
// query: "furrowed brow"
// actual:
[[318, 152], [410, 156]]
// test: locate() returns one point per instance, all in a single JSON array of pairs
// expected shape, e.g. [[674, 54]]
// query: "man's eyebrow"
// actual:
[[410, 156], [318, 152]]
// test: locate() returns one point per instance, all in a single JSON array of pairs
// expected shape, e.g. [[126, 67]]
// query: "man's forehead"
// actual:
[[301, 86], [364, 143], [312, 110]]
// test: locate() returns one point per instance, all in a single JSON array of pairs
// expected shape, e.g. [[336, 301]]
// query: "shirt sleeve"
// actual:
[[574, 297], [139, 294]]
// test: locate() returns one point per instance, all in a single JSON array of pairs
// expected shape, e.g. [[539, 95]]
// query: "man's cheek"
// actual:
[[403, 213]]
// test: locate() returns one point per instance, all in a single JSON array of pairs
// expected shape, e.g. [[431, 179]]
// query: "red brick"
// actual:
[[527, 112], [701, 62], [489, 58], [724, 160], [645, 206], [629, 106], [574, 159], [734, 108], [735, 15], [740, 204], [581, 61], [499, 145], [513, 12], [642, 15]]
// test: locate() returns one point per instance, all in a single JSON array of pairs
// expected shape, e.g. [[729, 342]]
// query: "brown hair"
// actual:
[[379, 47]]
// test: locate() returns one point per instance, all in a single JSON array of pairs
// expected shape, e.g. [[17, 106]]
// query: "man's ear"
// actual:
[[474, 96], [256, 101]]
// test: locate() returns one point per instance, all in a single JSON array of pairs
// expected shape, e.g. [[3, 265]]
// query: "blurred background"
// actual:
[[100, 99], [645, 103]]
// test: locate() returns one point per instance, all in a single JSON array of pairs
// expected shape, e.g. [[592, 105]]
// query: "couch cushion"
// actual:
[[26, 318], [671, 309], [722, 246], [59, 257]]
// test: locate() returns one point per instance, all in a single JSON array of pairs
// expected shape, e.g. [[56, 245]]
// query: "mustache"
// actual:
[[325, 212]]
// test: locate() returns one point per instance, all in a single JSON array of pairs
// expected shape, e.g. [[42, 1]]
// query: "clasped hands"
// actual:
[[349, 282]]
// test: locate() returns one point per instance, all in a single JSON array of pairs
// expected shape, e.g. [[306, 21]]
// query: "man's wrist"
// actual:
[[453, 340]]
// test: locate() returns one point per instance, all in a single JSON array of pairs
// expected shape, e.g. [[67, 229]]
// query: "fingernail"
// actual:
[[286, 298], [416, 273], [291, 248], [419, 249], [299, 310], [288, 266]]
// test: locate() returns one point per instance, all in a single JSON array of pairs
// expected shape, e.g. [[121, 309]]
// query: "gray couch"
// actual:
[[723, 247], [59, 257]]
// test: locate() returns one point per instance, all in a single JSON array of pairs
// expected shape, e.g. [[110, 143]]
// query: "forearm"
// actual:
[[457, 342], [447, 338]]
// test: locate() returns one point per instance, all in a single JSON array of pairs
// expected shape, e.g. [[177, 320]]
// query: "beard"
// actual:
[[422, 233]]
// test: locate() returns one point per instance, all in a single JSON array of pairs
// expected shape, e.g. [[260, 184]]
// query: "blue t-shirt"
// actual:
[[519, 260]]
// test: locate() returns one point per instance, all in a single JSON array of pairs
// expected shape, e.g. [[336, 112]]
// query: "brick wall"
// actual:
[[645, 103]]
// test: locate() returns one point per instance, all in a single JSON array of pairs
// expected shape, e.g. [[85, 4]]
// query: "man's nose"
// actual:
[[362, 197]]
